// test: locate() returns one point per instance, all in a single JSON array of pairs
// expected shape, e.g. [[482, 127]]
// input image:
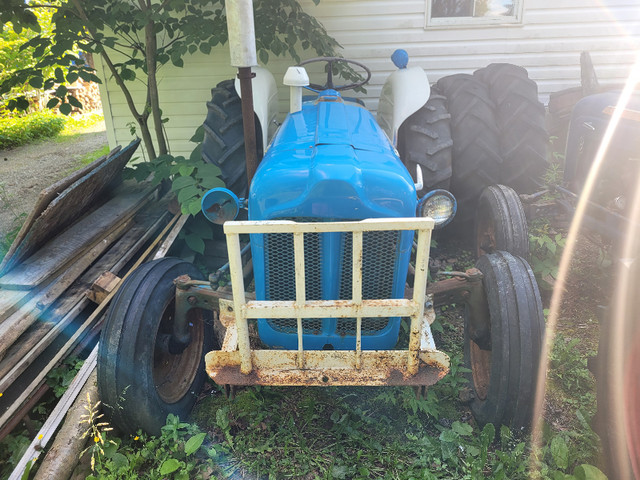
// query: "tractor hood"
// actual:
[[331, 161]]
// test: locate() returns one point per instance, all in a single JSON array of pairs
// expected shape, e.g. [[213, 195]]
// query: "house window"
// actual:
[[473, 12]]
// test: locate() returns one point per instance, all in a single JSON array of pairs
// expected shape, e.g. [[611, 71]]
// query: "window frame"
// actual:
[[448, 22]]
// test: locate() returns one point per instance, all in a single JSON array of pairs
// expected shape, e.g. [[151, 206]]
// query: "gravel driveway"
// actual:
[[26, 170]]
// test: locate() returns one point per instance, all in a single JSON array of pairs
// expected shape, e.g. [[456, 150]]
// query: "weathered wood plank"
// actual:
[[54, 320], [68, 206], [14, 326], [12, 300], [55, 419], [8, 409], [47, 195], [83, 235]]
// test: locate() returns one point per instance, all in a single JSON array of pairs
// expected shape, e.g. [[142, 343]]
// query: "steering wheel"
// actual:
[[330, 61]]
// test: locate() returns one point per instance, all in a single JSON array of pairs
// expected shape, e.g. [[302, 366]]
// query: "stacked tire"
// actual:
[[497, 127]]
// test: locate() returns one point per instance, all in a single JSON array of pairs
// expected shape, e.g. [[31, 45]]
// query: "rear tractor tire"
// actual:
[[140, 381], [223, 143], [520, 117], [476, 161], [501, 223], [504, 362], [425, 139]]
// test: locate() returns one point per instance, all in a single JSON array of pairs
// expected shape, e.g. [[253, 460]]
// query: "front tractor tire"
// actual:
[[504, 361], [501, 223], [139, 381]]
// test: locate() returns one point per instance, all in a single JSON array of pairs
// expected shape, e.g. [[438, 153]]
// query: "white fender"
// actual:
[[404, 93], [265, 102]]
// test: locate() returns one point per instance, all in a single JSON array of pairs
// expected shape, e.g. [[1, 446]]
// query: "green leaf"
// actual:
[[182, 182], [186, 170], [264, 56], [560, 452], [198, 136], [588, 472], [36, 82], [74, 101], [169, 466], [59, 75], [53, 102], [65, 109], [194, 443], [187, 193], [205, 48], [119, 460], [208, 170], [194, 207], [61, 91], [195, 243], [463, 429], [72, 77]]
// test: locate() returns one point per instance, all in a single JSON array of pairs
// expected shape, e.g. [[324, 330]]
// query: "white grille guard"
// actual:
[[238, 364]]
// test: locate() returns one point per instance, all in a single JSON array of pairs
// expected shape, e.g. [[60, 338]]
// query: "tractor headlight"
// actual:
[[439, 205]]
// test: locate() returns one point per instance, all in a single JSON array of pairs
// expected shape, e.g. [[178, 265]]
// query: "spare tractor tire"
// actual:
[[521, 122], [223, 143], [425, 139], [476, 161]]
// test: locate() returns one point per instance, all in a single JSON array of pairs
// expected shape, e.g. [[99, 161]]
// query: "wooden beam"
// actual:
[[73, 339], [53, 421]]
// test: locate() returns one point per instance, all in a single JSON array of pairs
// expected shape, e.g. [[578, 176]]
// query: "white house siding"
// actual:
[[548, 43]]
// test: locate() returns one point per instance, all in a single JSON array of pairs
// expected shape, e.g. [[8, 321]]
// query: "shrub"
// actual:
[[16, 131]]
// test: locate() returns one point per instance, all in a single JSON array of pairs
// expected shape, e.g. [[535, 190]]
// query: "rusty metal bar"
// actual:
[[327, 367], [419, 288], [331, 308], [237, 286], [298, 253], [356, 293], [248, 121]]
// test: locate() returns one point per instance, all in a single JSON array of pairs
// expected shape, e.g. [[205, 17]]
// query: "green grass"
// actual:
[[77, 124], [93, 156]]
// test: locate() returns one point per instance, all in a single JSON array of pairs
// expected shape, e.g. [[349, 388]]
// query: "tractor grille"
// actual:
[[379, 257], [378, 263], [281, 283]]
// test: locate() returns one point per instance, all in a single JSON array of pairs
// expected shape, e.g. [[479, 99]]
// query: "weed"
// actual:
[[546, 247], [60, 377], [179, 453]]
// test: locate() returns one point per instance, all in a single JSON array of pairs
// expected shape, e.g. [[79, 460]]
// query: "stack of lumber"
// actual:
[[84, 232]]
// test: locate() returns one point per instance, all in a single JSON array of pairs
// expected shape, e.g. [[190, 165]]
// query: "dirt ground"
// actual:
[[26, 170]]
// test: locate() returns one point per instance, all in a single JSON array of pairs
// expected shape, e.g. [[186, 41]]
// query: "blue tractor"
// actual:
[[338, 226]]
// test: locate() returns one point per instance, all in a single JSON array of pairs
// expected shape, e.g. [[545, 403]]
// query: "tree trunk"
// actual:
[[151, 48]]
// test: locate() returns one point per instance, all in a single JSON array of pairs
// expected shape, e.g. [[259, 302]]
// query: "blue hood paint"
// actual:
[[331, 160]]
